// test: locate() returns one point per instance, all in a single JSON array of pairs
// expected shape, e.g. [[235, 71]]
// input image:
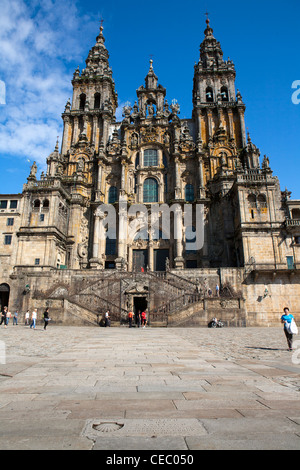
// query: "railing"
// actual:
[[187, 282], [157, 276], [177, 304], [174, 280], [292, 223], [98, 305], [254, 175]]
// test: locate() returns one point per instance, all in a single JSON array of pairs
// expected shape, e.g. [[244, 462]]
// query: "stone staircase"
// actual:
[[175, 300]]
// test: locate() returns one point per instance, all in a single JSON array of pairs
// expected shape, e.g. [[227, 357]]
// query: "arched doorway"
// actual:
[[140, 304], [4, 295]]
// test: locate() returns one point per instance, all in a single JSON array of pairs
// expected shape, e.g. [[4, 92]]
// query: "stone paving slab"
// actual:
[[168, 389], [141, 443], [271, 441], [96, 429]]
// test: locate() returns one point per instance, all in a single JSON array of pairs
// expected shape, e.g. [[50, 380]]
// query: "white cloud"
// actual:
[[39, 45], [2, 93]]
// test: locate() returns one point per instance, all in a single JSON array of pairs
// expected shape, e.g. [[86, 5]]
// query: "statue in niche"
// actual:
[[134, 140], [223, 158], [80, 165], [150, 108], [59, 170], [166, 138]]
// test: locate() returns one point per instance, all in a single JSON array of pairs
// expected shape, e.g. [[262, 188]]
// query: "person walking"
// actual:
[[130, 317], [15, 321], [27, 316], [3, 317], [144, 319], [46, 318], [217, 290], [107, 319], [33, 319], [287, 319], [8, 317], [138, 319]]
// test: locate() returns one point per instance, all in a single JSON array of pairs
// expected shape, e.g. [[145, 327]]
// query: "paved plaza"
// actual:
[[148, 389]]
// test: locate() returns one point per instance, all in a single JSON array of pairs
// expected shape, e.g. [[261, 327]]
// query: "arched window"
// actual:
[[262, 201], [252, 201], [189, 193], [209, 95], [150, 190], [46, 204], [224, 93], [97, 98], [37, 204], [112, 195], [150, 157], [82, 101], [296, 214], [252, 204]]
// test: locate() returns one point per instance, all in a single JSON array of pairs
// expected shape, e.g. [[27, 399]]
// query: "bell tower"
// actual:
[[218, 109], [94, 100]]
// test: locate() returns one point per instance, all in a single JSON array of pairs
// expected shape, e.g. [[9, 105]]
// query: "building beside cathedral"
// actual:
[[52, 248]]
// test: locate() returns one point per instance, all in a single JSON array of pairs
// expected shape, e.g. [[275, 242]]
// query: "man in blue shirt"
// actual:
[[287, 320]]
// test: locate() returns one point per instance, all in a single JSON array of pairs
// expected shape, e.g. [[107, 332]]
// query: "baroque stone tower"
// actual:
[[218, 111]]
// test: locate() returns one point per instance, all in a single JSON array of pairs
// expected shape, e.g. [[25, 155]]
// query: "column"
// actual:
[[230, 116], [94, 133], [209, 119], [121, 261], [199, 127], [243, 127], [123, 189], [105, 130], [96, 236], [99, 241], [99, 191], [179, 261], [75, 130], [65, 135], [151, 256], [201, 178], [150, 252], [177, 180]]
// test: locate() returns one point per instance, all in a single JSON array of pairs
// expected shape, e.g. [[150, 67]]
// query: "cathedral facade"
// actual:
[[56, 248]]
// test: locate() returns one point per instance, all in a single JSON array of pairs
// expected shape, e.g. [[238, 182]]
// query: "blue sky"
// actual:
[[41, 44]]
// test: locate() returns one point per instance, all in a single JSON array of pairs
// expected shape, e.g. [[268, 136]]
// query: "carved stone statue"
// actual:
[[33, 171]]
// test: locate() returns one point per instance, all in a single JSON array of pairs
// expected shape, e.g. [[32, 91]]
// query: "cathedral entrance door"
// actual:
[[140, 305], [140, 260], [160, 257], [4, 296]]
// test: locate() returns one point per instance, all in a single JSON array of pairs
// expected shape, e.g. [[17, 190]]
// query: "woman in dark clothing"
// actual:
[[46, 318], [4, 317]]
